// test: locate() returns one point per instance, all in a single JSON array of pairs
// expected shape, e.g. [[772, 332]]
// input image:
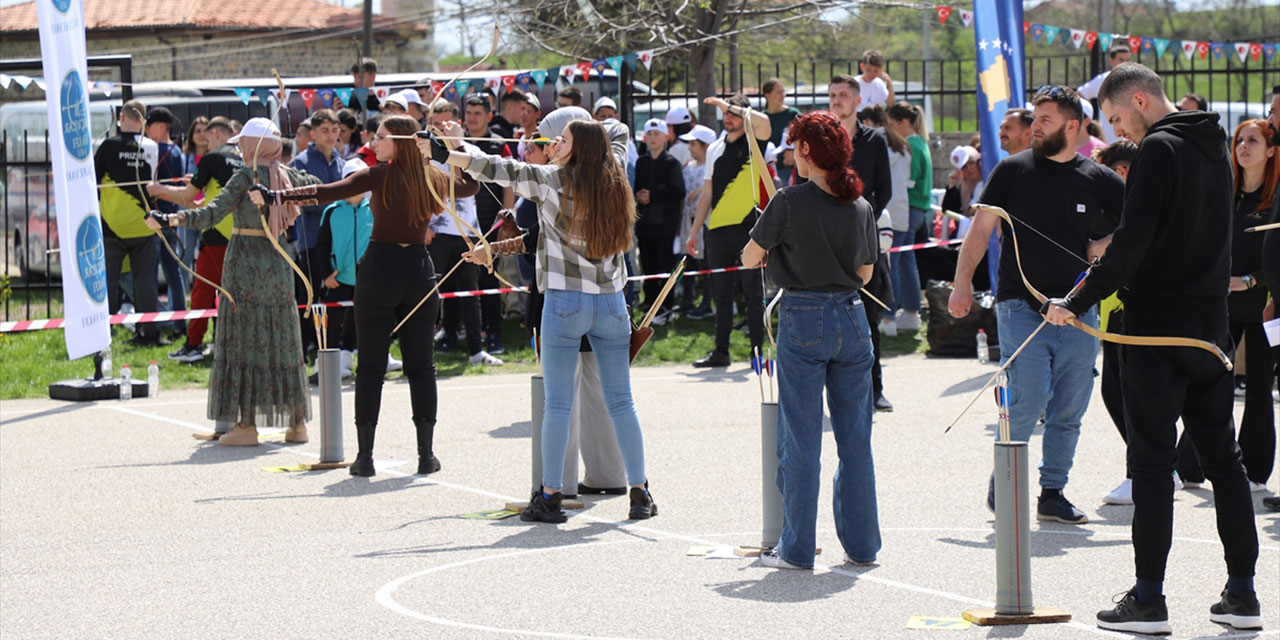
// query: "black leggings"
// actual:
[[343, 324], [447, 250], [723, 248], [392, 279]]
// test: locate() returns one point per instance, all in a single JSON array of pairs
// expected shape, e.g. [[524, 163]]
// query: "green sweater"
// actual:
[[919, 195]]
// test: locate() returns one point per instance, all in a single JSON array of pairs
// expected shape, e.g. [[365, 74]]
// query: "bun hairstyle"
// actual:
[[829, 150]]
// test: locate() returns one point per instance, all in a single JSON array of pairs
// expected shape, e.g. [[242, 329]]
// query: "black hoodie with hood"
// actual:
[[1172, 250]]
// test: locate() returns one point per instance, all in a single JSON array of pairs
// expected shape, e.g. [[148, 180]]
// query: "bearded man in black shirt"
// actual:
[[1064, 197], [1170, 260]]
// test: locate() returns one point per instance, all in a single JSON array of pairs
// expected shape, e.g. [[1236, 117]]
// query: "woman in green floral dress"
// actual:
[[259, 374]]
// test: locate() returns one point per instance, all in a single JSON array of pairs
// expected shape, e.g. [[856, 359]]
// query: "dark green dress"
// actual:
[[259, 374]]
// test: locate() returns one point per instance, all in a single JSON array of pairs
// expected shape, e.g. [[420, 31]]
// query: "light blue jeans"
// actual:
[[824, 342], [604, 320], [1053, 376], [903, 272]]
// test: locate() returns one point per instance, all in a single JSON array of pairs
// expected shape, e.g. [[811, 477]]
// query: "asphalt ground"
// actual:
[[116, 523]]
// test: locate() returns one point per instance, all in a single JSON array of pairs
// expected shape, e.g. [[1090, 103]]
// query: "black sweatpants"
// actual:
[[655, 257], [1160, 385], [447, 250], [390, 281], [724, 249], [143, 253]]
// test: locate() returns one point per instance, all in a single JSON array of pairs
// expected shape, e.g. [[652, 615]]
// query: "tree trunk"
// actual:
[[703, 59], [735, 66]]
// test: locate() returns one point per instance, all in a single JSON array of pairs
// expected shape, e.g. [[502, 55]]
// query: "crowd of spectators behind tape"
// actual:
[[667, 167]]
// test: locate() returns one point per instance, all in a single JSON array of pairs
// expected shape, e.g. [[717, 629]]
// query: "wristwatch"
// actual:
[[1248, 280]]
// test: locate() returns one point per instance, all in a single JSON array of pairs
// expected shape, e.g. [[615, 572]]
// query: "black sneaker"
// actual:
[[883, 404], [642, 505], [991, 495], [493, 344], [1054, 506], [702, 311], [1240, 613], [713, 359], [541, 509], [1272, 503], [187, 353], [1132, 616], [601, 491], [447, 343]]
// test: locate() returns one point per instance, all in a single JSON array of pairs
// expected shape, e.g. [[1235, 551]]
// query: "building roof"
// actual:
[[169, 15]]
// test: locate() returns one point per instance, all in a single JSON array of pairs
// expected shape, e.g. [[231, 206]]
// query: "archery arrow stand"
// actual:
[[1013, 545], [329, 364], [771, 497]]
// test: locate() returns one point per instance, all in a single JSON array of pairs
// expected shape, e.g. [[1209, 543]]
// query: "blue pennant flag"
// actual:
[[344, 95], [1217, 48], [539, 76], [361, 94], [524, 80], [998, 38], [245, 95], [1162, 45], [1269, 50], [326, 96], [1051, 33], [264, 95], [1037, 30], [631, 59], [462, 86], [615, 63]]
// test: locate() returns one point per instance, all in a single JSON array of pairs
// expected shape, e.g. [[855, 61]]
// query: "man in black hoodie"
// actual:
[[1169, 259]]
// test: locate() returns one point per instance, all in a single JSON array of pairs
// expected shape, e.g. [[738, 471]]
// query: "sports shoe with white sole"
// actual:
[[771, 559], [888, 328], [1132, 616], [1055, 507], [908, 320], [393, 364], [483, 357], [1240, 613], [1122, 494]]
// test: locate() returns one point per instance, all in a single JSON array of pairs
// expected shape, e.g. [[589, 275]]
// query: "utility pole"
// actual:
[[1098, 59], [368, 29], [926, 38]]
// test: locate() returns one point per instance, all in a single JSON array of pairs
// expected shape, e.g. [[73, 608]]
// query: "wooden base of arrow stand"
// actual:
[[566, 503], [1038, 615], [206, 436], [320, 466]]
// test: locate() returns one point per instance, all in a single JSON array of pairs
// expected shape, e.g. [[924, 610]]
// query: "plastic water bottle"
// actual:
[[153, 380], [106, 364], [126, 382], [983, 354]]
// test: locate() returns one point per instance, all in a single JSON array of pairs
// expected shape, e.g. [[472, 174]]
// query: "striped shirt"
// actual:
[[561, 262]]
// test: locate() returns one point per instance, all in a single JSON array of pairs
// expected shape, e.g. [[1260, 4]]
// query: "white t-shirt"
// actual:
[[466, 208], [873, 93], [899, 174], [1089, 91]]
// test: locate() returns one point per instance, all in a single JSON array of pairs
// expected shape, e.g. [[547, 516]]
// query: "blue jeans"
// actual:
[[604, 320], [903, 272], [174, 277], [824, 341], [1052, 376]]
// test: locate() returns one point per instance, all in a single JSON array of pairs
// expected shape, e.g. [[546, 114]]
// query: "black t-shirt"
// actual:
[[488, 201], [816, 241], [1063, 200], [1271, 254], [1246, 248], [213, 172]]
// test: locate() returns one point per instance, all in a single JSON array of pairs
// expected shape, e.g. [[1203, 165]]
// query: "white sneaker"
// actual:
[[662, 317], [888, 328], [771, 559], [345, 360], [1178, 484], [393, 364], [483, 357], [908, 320], [1257, 487], [1122, 494]]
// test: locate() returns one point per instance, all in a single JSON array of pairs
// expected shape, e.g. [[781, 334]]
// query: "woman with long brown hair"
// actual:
[[394, 274], [586, 213], [825, 245]]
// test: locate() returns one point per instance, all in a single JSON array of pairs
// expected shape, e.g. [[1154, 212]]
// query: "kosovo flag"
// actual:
[[998, 37]]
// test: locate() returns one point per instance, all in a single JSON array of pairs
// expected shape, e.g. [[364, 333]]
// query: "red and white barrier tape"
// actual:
[[171, 316]]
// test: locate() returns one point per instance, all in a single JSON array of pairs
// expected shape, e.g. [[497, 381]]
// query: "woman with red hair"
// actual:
[[823, 237]]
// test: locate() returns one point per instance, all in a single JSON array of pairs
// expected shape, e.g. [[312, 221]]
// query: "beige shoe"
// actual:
[[296, 433], [240, 436]]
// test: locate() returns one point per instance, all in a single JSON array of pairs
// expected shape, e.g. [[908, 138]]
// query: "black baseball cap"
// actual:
[[160, 114]]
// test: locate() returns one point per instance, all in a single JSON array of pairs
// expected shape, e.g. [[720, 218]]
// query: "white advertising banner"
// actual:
[[84, 272]]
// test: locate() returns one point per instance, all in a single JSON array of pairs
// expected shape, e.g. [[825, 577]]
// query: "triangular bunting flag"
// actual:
[[1148, 45], [966, 17], [436, 88], [1242, 50], [326, 97], [107, 87], [1217, 48], [1188, 48], [524, 81], [1090, 37], [630, 59], [5, 79], [264, 95], [539, 76], [245, 94], [361, 94], [568, 71], [508, 83], [1255, 50], [646, 58], [1135, 43], [615, 63], [40, 83], [1104, 39], [451, 91], [462, 85], [1026, 26], [1162, 45], [1077, 37], [308, 96], [492, 84], [1269, 50], [344, 95], [584, 68], [944, 12], [1050, 33], [1037, 32], [23, 81], [1203, 48], [600, 66]]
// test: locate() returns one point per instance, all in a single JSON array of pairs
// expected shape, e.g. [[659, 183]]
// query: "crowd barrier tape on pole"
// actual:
[[173, 316]]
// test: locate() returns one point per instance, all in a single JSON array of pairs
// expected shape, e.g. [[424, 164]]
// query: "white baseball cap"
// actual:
[[654, 124], [604, 102], [700, 133], [1087, 107], [399, 100], [679, 115], [411, 96], [786, 142], [962, 155], [257, 128], [532, 99], [353, 165]]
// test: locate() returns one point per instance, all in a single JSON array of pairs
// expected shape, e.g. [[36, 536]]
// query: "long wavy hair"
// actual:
[[829, 151], [189, 142], [604, 211], [406, 182], [1270, 173]]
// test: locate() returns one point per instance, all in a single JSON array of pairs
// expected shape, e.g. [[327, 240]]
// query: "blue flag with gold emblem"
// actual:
[[998, 37]]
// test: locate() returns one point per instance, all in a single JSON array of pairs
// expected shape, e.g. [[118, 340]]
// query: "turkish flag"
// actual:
[[1203, 49], [307, 96], [1135, 43], [944, 12], [1255, 50], [1090, 37]]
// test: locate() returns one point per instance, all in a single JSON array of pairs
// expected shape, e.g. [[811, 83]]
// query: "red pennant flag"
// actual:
[[1135, 43], [1255, 50], [307, 96], [944, 12], [584, 68], [1202, 48], [436, 87], [1026, 27], [508, 83], [1090, 37]]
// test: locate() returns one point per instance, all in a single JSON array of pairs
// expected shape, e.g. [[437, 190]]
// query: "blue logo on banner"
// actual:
[[90, 258], [75, 117], [61, 5]]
